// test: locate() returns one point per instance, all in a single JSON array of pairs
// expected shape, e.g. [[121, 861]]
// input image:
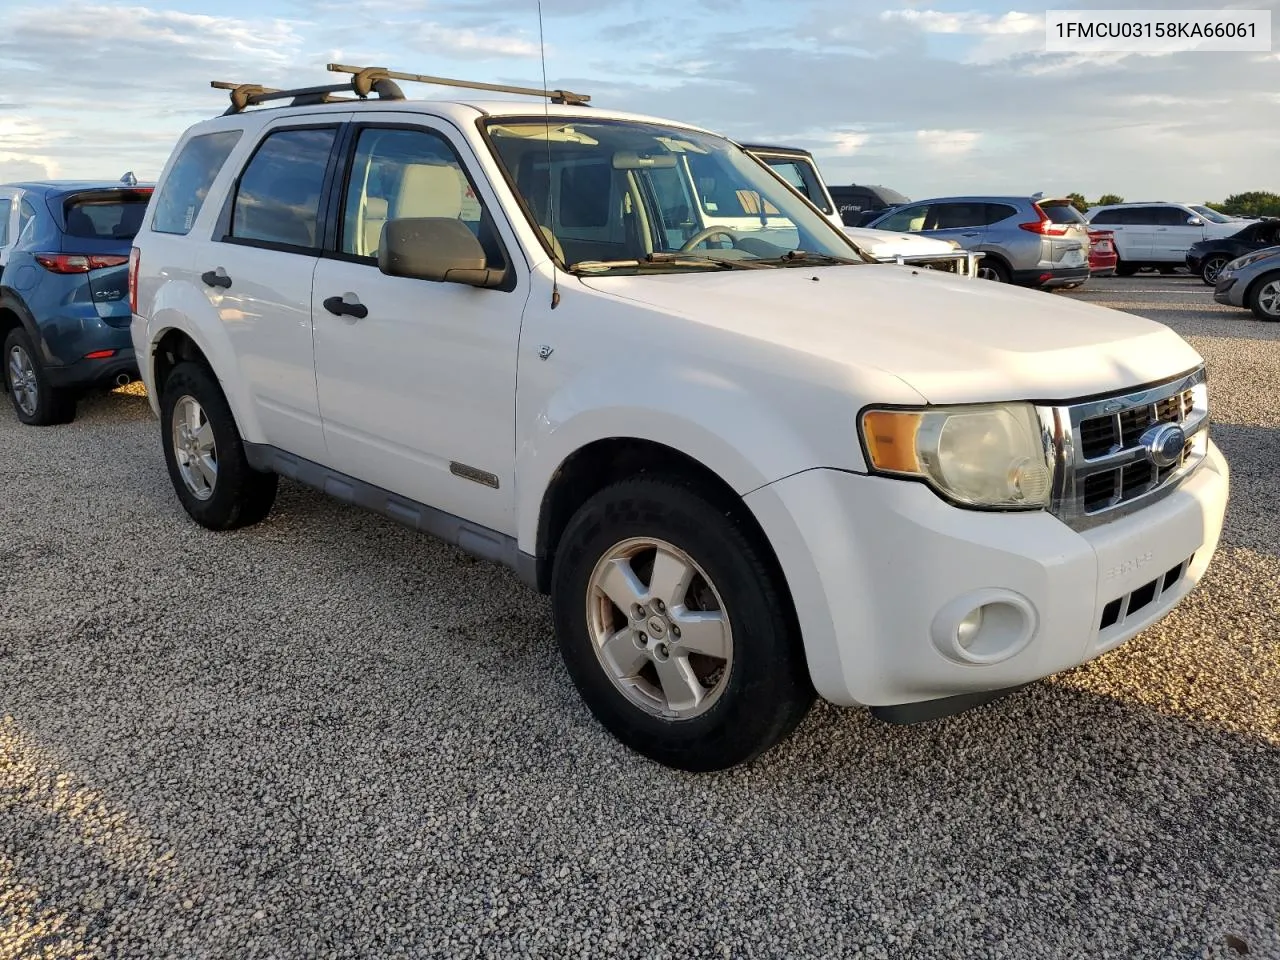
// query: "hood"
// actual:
[[886, 244], [952, 339]]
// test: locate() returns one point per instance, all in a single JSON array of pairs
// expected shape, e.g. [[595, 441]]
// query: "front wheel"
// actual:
[[1264, 298], [675, 628], [205, 455], [1210, 269]]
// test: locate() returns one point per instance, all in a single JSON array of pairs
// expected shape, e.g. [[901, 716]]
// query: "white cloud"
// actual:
[[472, 44], [947, 142], [849, 143], [935, 21]]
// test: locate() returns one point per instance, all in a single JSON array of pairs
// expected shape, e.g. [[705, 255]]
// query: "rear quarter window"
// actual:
[[183, 192], [1106, 216]]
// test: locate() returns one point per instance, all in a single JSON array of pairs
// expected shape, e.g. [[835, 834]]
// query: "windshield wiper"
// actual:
[[803, 258], [662, 259]]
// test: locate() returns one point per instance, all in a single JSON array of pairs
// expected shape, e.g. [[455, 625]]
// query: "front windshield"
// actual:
[[1213, 216], [623, 196]]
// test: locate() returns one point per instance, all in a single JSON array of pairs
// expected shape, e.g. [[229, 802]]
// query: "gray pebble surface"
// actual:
[[327, 736]]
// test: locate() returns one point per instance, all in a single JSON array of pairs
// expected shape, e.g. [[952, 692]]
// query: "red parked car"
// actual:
[[1102, 253]]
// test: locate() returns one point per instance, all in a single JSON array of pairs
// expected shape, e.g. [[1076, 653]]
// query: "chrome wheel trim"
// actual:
[[988, 273], [22, 381], [1269, 298], [194, 450], [665, 644], [1212, 267]]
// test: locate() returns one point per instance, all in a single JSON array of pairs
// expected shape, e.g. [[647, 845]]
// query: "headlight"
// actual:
[[993, 455], [1244, 261]]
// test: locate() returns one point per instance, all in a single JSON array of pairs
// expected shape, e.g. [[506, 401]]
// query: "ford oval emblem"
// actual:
[[1163, 444]]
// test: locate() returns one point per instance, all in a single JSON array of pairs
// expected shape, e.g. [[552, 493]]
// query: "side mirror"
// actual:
[[440, 249], [1194, 222]]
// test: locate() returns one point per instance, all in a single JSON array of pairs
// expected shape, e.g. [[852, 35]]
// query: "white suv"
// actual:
[[501, 323], [1159, 234]]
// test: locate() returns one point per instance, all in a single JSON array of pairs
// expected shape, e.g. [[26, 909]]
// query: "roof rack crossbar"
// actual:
[[364, 75], [244, 95]]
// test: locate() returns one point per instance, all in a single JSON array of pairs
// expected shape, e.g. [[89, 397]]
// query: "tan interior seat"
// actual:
[[375, 215], [428, 190]]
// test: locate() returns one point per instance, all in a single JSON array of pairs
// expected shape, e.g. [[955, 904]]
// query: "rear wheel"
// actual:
[[35, 401], [1125, 269], [989, 269], [205, 455], [1211, 267], [675, 629], [1264, 297]]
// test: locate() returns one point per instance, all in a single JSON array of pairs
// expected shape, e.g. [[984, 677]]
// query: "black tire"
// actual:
[[992, 269], [1211, 267], [51, 405], [766, 691], [1253, 299], [1125, 269], [239, 495], [1165, 270]]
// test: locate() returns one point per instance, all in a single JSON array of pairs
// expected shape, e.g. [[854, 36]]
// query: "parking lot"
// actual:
[[328, 736]]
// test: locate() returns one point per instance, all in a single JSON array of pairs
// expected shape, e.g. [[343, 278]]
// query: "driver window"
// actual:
[[402, 174], [906, 220]]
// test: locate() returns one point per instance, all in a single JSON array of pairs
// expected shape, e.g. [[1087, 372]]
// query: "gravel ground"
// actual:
[[329, 737]]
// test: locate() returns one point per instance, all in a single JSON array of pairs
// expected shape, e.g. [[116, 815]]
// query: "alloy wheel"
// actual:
[[659, 629], [1213, 266], [194, 447], [1269, 298], [22, 381]]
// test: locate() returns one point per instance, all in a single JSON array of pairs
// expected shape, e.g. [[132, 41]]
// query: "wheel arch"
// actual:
[[1251, 290]]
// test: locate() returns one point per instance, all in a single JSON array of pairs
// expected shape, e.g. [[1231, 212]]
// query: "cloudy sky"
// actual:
[[929, 97]]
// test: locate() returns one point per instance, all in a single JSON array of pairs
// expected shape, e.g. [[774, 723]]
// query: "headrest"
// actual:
[[429, 190]]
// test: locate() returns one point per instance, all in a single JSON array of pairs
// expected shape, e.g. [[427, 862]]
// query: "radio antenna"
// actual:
[[551, 200]]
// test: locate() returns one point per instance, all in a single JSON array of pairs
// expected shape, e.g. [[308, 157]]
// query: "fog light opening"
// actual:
[[984, 627]]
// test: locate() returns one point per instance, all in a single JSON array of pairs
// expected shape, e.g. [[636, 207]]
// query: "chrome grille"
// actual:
[[1103, 468]]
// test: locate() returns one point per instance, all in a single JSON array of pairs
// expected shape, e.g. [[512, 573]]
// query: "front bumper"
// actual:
[[1194, 262], [1229, 290], [880, 570]]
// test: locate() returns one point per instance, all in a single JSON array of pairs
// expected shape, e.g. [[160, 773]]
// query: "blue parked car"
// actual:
[[64, 291]]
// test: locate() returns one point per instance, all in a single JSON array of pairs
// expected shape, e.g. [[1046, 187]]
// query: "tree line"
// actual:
[[1253, 203]]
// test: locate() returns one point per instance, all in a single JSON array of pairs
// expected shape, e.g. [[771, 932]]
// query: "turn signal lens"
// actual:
[[891, 440]]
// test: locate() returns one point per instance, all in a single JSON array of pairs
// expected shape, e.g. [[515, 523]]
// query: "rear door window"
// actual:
[[278, 199], [953, 216], [111, 217], [1139, 216], [997, 212], [184, 190]]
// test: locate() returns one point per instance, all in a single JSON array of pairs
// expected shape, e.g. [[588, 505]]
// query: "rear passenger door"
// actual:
[[258, 271], [1136, 236], [964, 221]]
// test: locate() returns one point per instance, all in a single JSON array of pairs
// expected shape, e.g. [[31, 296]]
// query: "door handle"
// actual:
[[346, 306], [971, 233], [1161, 229], [216, 278]]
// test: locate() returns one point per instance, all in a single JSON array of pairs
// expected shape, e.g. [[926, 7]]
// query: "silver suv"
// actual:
[[1030, 241]]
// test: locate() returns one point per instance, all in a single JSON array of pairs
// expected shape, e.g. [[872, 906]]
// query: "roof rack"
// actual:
[[367, 80]]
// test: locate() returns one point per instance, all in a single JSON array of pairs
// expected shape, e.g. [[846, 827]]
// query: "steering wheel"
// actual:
[[704, 235]]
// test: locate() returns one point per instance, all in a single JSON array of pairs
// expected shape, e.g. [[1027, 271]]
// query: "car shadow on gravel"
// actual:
[[1253, 455], [124, 405]]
